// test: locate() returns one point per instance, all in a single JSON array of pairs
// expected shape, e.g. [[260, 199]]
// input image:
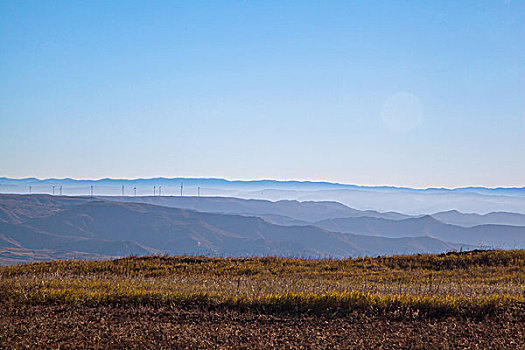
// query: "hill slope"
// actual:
[[468, 220], [306, 211], [116, 229], [502, 236]]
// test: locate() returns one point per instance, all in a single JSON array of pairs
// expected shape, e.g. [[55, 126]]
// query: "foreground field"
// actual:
[[150, 327], [455, 300]]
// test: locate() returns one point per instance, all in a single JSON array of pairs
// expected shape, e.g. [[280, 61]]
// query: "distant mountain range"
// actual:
[[40, 227], [301, 212], [292, 212], [249, 184], [469, 220], [405, 200], [502, 236]]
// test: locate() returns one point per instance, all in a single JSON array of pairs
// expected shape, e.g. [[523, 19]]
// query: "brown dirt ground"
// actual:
[[149, 327]]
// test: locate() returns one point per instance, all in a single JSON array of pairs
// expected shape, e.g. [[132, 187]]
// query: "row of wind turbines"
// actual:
[[157, 192]]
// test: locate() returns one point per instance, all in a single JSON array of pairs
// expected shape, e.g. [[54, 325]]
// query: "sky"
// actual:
[[403, 93]]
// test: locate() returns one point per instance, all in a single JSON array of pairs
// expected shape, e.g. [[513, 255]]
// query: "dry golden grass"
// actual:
[[450, 301], [469, 283]]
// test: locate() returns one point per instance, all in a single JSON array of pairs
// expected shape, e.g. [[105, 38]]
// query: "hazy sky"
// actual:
[[415, 93]]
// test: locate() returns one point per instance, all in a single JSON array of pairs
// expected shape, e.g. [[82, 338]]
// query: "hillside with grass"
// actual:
[[485, 288]]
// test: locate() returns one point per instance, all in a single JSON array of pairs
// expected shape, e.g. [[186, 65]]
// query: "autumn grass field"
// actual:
[[452, 300]]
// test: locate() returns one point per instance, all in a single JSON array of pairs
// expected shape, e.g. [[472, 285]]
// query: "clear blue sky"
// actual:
[[412, 93]]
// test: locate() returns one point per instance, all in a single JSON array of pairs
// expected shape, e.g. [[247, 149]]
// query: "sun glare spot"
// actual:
[[402, 112]]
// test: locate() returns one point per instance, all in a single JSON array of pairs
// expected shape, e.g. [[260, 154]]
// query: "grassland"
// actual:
[[483, 290]]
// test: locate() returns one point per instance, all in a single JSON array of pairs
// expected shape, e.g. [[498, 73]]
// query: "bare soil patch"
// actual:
[[160, 327]]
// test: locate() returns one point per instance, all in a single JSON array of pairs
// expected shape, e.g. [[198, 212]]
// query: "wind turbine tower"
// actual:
[[154, 188], [160, 191], [29, 189], [53, 190], [91, 187], [60, 190], [122, 190], [135, 191], [181, 188]]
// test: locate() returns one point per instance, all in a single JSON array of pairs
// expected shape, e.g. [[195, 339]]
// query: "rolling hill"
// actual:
[[468, 220], [92, 228], [501, 236], [286, 212]]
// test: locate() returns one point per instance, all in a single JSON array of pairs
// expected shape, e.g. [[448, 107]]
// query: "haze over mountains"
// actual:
[[41, 227], [494, 229], [302, 212], [292, 212], [478, 200], [469, 220]]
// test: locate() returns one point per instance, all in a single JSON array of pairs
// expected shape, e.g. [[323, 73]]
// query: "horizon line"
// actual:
[[269, 180]]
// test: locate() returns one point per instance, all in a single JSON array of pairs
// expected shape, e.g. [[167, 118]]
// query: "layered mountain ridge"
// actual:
[[41, 227]]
